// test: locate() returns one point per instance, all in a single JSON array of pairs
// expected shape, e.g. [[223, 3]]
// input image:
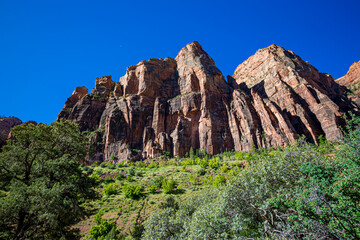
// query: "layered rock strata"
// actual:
[[171, 105]]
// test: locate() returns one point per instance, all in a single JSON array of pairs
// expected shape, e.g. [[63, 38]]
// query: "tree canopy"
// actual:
[[41, 182]]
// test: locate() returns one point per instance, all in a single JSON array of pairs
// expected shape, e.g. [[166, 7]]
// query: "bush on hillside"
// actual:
[[132, 191], [295, 193]]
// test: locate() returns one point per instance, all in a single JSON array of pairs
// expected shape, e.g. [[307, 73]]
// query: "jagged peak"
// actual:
[[80, 91], [105, 81], [275, 54], [194, 47], [352, 77], [194, 55], [354, 67], [274, 49], [152, 61]]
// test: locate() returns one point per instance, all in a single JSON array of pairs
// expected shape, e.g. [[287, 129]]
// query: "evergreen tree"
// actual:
[[41, 182]]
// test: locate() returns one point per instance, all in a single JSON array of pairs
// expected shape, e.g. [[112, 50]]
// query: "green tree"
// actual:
[[41, 182]]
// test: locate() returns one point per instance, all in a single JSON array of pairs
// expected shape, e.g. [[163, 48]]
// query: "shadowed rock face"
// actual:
[[173, 104], [6, 124]]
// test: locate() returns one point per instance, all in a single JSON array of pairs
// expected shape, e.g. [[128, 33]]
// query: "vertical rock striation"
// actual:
[[171, 105]]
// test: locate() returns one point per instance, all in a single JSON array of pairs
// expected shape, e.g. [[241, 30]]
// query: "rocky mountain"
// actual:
[[170, 105], [351, 83], [6, 124]]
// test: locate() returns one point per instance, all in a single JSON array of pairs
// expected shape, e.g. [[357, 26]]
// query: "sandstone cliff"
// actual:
[[351, 83], [6, 124], [170, 105]]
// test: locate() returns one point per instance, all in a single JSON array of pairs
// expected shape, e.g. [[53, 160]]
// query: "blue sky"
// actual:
[[47, 48]]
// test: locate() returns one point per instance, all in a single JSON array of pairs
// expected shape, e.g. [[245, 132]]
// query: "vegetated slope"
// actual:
[[161, 182], [170, 105], [302, 191]]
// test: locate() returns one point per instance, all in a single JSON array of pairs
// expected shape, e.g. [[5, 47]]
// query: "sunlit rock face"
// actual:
[[351, 83], [171, 105]]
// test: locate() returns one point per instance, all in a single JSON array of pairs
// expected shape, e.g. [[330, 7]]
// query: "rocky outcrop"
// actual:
[[352, 76], [6, 124], [292, 96], [351, 83], [78, 94], [172, 105]]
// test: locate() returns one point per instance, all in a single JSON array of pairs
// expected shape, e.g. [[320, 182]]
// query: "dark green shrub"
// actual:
[[102, 165], [137, 231], [214, 162], [132, 191], [168, 186], [108, 179], [193, 179], [120, 176], [111, 166], [152, 189], [140, 164], [158, 181], [102, 228], [153, 165], [109, 189], [201, 172], [131, 172], [170, 202], [219, 180], [224, 168], [99, 172], [202, 162], [90, 170]]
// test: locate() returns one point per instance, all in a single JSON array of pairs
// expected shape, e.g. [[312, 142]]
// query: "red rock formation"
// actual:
[[173, 104], [6, 124], [78, 93], [351, 82], [352, 76], [290, 96]]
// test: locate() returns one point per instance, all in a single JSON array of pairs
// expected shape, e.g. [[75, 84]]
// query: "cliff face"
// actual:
[[352, 76], [351, 83], [6, 124], [173, 104]]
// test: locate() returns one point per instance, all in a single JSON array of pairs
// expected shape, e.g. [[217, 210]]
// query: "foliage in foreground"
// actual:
[[103, 229], [41, 183], [296, 193]]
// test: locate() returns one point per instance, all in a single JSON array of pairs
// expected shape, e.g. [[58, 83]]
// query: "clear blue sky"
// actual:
[[47, 48]]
